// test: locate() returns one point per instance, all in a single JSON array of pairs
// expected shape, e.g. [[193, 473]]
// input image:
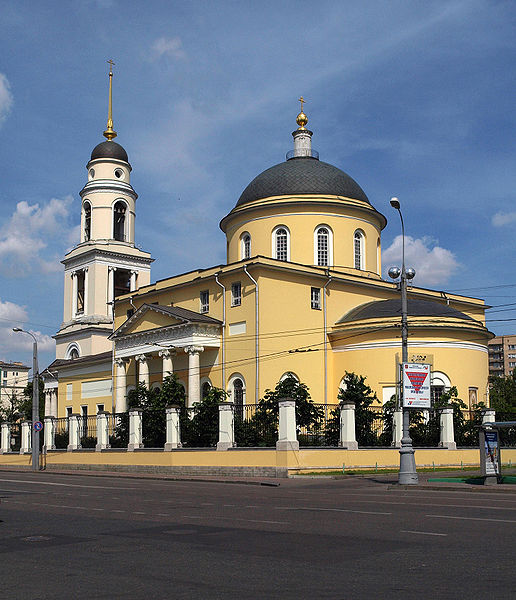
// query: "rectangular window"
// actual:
[[121, 282], [100, 408], [236, 294], [204, 298], [315, 298]]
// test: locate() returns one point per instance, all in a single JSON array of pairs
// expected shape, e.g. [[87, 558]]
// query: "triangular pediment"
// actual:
[[155, 316]]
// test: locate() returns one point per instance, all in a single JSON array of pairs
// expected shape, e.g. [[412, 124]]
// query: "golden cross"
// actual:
[[302, 100], [111, 64]]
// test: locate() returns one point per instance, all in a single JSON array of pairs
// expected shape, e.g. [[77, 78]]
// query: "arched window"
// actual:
[[281, 244], [323, 246], [87, 221], [73, 351], [440, 383], [238, 397], [119, 221], [358, 250], [245, 251], [206, 387]]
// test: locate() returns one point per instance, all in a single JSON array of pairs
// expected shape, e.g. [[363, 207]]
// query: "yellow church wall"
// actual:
[[76, 399]]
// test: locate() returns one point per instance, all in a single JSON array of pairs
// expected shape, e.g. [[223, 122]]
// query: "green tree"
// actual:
[[502, 392], [200, 424], [26, 402], [357, 391]]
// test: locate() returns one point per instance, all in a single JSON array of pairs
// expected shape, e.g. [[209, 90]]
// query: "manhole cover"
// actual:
[[36, 538]]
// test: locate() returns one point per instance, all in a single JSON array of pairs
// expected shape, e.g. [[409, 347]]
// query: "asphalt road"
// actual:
[[79, 536]]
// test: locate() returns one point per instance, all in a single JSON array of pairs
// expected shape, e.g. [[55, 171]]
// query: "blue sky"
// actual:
[[412, 99]]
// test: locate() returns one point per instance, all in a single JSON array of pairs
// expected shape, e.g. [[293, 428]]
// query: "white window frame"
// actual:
[[204, 307], [329, 262], [231, 387], [315, 298], [71, 347], [361, 257], [275, 242], [84, 204], [236, 293], [243, 253]]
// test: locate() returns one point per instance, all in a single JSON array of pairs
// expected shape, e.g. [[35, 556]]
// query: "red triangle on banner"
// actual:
[[417, 378]]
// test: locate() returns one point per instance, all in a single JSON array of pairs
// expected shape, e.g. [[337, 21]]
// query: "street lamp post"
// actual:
[[407, 473], [35, 399]]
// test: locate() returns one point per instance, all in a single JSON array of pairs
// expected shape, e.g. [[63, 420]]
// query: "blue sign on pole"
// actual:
[[38, 426]]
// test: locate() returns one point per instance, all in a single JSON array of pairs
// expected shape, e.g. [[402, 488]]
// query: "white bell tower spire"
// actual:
[[105, 263]]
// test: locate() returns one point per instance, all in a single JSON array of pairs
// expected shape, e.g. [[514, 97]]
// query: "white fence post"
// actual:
[[49, 433], [226, 426], [446, 425], [287, 434], [135, 429], [102, 431], [397, 427], [173, 428], [74, 440], [26, 437], [5, 438], [348, 436]]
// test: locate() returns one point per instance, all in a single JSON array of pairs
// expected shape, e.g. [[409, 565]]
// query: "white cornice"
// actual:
[[108, 185], [396, 345]]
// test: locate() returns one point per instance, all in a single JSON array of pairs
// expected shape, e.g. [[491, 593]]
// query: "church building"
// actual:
[[300, 292]]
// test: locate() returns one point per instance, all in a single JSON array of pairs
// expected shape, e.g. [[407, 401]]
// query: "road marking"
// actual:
[[471, 518], [346, 510], [118, 511], [206, 503], [423, 532], [163, 515], [96, 487], [235, 519], [485, 507], [251, 506], [137, 512]]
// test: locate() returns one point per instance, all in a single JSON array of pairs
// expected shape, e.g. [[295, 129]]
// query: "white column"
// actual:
[[74, 441], [5, 438], [49, 433], [168, 365], [397, 428], [287, 434], [53, 402], [121, 385], [143, 369], [102, 431], [226, 426], [488, 415], [26, 437], [74, 294], [48, 402], [447, 433], [173, 428], [111, 290], [85, 290], [347, 437], [132, 281], [194, 374], [135, 429]]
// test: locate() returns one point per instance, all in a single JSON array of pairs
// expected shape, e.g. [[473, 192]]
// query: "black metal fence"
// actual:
[[255, 426], [323, 431], [61, 433], [88, 431], [15, 437], [507, 435]]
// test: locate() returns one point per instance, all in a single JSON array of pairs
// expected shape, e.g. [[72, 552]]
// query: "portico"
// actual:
[[152, 344]]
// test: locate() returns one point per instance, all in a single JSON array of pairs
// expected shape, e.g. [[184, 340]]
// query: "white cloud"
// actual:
[[434, 265], [14, 315], [500, 219], [172, 47], [28, 232], [6, 98]]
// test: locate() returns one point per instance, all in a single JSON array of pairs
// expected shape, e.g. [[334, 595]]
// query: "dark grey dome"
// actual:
[[302, 176], [109, 149], [392, 308]]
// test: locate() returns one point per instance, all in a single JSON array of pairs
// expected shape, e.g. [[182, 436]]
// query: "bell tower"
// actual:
[[105, 263]]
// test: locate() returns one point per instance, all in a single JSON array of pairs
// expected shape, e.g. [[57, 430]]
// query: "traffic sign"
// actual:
[[38, 426]]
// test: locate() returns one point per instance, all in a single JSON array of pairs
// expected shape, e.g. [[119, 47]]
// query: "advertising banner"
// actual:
[[416, 385], [491, 453]]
